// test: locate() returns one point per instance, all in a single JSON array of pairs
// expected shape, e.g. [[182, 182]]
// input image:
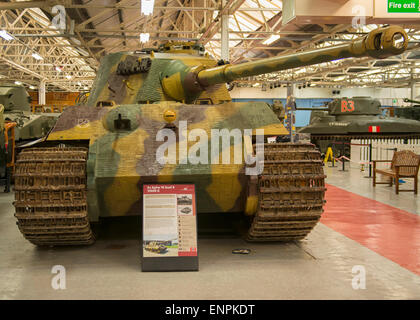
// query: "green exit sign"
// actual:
[[402, 6]]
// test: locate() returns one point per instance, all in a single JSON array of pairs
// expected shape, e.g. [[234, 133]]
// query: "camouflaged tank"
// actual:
[[411, 112], [95, 160], [17, 108], [156, 247], [355, 118]]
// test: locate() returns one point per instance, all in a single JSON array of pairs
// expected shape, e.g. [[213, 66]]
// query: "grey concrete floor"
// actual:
[[319, 267]]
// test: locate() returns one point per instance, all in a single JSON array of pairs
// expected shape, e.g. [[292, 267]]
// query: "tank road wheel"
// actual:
[[50, 196], [291, 193]]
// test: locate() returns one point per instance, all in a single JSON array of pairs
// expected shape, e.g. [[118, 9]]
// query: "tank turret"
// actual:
[[182, 72], [354, 106], [14, 98], [182, 82]]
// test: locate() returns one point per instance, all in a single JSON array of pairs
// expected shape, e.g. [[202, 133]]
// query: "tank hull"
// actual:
[[355, 118], [363, 125], [96, 158], [120, 161]]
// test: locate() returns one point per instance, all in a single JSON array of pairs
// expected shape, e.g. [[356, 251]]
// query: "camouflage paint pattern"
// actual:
[[121, 160], [126, 107]]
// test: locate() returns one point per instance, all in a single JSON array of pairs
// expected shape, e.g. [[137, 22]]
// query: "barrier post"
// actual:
[[370, 159], [329, 154]]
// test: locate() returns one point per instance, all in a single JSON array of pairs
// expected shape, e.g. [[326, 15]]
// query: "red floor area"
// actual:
[[389, 231]]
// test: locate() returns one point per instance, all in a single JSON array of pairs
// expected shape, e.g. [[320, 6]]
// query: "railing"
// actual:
[[365, 150], [48, 108]]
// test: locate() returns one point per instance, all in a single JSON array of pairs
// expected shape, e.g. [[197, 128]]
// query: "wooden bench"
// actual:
[[404, 164]]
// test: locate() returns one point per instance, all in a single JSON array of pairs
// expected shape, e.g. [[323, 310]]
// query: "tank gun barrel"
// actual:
[[380, 43], [311, 109], [412, 101], [185, 83]]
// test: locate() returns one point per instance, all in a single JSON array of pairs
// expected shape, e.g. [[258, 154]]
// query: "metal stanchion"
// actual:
[[370, 159]]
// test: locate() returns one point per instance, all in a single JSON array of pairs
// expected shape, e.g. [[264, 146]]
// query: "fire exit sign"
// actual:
[[402, 6]]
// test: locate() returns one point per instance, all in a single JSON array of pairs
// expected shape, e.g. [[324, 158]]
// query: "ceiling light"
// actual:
[[79, 83], [18, 83], [144, 37], [58, 69], [147, 7], [32, 87], [37, 56], [272, 38], [68, 76], [86, 88], [5, 35]]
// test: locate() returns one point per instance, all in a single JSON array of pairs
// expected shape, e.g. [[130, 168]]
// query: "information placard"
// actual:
[[169, 228]]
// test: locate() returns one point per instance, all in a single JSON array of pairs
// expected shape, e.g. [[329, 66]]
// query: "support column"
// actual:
[[224, 35], [290, 111], [412, 85], [41, 93], [413, 90]]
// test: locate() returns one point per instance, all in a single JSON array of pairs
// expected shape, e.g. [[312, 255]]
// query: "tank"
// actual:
[[156, 247], [411, 112], [278, 109], [17, 108], [186, 210], [355, 118], [94, 161]]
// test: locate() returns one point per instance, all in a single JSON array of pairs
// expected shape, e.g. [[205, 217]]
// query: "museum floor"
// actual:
[[362, 226]]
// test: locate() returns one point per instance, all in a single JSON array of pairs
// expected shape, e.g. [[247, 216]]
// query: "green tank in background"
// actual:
[[411, 112], [95, 160], [17, 108], [355, 118]]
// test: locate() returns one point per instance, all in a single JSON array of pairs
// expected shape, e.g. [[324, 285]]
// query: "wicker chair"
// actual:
[[404, 164]]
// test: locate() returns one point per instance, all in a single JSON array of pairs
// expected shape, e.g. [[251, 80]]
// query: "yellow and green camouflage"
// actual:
[[139, 87], [111, 145]]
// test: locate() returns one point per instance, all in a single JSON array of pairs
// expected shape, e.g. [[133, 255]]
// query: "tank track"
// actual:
[[291, 193], [50, 196]]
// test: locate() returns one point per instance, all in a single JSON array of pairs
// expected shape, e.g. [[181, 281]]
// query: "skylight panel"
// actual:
[[249, 26], [251, 4]]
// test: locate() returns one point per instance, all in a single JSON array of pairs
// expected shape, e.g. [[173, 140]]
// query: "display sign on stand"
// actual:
[[169, 228]]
